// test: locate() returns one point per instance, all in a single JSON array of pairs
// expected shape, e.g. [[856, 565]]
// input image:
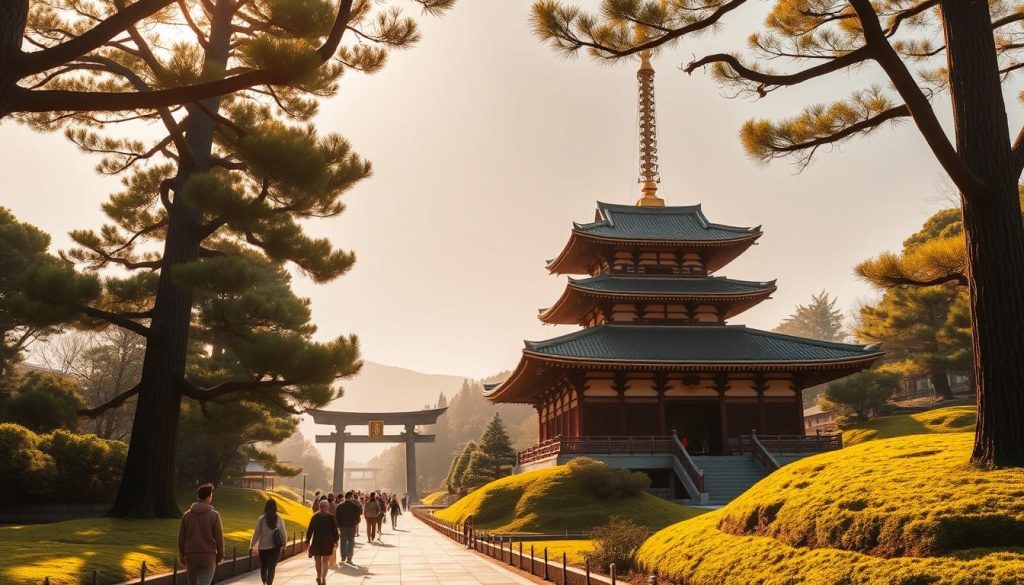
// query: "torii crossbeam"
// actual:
[[376, 420]]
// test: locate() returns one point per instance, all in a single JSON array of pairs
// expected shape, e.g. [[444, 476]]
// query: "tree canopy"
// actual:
[[493, 455]]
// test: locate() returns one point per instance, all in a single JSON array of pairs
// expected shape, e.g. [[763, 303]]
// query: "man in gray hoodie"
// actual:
[[201, 538]]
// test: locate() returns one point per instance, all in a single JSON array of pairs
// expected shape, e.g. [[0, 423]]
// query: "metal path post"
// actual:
[[174, 573], [586, 567], [95, 577], [142, 577], [545, 563], [511, 560], [533, 570], [520, 555], [611, 571], [234, 560], [565, 572]]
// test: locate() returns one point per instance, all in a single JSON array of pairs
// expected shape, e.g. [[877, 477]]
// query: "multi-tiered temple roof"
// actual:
[[655, 351]]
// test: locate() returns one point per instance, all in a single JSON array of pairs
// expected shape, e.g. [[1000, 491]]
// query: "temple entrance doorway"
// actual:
[[700, 422]]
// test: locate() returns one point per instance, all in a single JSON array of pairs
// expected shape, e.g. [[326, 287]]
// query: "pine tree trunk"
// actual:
[[940, 382], [147, 486], [994, 232], [13, 16]]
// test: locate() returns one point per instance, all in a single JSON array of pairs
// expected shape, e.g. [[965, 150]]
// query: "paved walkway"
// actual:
[[416, 554]]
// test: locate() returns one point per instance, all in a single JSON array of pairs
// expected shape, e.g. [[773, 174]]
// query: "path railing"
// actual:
[[761, 454], [231, 566], [519, 554], [794, 443]]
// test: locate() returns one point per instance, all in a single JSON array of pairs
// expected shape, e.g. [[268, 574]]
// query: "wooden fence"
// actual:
[[519, 554]]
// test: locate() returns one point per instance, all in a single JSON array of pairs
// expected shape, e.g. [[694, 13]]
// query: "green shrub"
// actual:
[[616, 542], [22, 464], [42, 403], [61, 465], [85, 468], [608, 482]]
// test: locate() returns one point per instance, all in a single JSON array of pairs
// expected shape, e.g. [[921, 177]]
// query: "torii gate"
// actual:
[[376, 421]]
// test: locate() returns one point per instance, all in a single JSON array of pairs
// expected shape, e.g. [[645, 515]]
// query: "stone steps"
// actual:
[[728, 476]]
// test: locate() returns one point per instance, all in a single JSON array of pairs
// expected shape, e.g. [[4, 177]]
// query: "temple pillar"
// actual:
[[620, 387], [660, 386], [721, 385], [339, 458], [760, 386], [410, 464], [798, 391]]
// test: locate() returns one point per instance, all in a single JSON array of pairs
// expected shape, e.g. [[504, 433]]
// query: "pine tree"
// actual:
[[861, 396], [494, 453], [449, 481], [832, 37], [38, 291], [924, 330], [459, 471], [212, 212], [819, 319], [442, 401]]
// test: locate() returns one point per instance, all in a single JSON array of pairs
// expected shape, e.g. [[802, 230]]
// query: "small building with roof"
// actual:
[[257, 476]]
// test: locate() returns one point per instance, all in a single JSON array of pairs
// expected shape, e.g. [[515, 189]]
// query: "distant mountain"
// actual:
[[381, 388]]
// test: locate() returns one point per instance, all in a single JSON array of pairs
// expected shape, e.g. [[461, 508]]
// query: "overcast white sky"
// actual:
[[487, 145]]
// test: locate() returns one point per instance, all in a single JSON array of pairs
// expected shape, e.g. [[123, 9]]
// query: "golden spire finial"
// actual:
[[649, 175]]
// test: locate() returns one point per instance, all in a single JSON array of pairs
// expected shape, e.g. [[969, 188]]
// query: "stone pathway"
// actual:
[[414, 555]]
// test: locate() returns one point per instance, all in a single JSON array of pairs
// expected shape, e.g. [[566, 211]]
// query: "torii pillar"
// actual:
[[410, 463]]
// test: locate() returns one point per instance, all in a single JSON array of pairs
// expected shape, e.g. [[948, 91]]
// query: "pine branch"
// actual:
[[920, 109], [767, 81], [24, 100], [119, 320], [112, 403], [903, 15], [227, 388], [106, 30]]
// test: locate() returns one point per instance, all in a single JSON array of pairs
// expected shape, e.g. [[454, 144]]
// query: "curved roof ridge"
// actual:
[[811, 340]]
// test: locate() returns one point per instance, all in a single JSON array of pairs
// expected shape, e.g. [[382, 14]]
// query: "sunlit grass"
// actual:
[[553, 500], [68, 552], [901, 511], [433, 498], [950, 419], [573, 550]]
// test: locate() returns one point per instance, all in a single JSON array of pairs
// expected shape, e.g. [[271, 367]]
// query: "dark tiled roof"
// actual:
[[669, 285], [704, 344], [659, 223]]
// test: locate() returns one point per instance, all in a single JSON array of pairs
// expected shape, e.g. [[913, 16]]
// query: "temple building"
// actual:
[[656, 354]]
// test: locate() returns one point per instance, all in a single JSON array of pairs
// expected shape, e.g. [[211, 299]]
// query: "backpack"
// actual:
[[279, 536]]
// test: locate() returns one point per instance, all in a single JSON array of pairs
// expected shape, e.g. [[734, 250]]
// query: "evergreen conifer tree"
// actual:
[[974, 56], [494, 452], [212, 211], [459, 470], [819, 319]]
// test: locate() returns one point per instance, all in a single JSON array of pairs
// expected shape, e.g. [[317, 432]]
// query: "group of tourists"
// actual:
[[335, 525], [331, 532]]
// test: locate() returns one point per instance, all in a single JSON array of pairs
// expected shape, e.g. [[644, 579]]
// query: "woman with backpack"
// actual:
[[268, 539]]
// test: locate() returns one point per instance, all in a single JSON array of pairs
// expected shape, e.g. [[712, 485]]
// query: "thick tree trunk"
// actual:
[[13, 16], [994, 231], [147, 487], [940, 382]]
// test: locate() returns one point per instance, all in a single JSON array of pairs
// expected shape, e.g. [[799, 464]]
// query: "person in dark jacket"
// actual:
[[348, 513], [323, 532]]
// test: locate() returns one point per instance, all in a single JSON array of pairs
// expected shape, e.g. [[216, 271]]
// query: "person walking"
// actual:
[[323, 532], [395, 508], [201, 538], [347, 514], [267, 540], [316, 502], [383, 500], [405, 502], [372, 511]]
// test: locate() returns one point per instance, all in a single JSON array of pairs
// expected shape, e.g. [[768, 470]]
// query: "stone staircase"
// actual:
[[728, 476]]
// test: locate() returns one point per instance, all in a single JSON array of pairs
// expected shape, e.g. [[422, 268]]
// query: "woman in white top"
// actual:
[[268, 539]]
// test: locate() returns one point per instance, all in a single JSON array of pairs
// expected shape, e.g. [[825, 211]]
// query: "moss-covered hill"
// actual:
[[949, 419], [904, 511], [556, 499], [67, 552]]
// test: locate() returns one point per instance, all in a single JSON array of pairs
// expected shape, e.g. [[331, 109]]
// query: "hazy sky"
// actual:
[[487, 145]]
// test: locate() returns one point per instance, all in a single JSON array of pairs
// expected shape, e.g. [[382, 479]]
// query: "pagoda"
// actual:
[[655, 355]]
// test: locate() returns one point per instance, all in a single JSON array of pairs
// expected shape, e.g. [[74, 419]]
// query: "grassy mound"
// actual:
[[949, 419], [573, 549], [434, 498], [902, 511], [557, 499], [67, 552]]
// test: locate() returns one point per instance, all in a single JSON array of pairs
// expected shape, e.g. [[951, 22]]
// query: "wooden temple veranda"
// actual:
[[656, 365]]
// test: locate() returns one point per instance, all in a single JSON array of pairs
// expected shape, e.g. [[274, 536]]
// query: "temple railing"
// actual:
[[596, 445], [762, 447], [696, 474], [761, 454]]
